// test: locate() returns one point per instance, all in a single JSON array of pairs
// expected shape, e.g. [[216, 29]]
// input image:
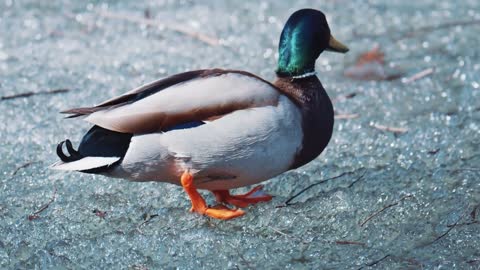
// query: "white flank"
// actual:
[[85, 163], [239, 149]]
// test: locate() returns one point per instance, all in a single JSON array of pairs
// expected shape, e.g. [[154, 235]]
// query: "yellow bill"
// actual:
[[336, 46]]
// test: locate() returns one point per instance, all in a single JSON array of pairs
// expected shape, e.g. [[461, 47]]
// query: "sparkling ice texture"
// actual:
[[416, 207]]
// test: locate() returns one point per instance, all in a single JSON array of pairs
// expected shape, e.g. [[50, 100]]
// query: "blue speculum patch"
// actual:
[[186, 125]]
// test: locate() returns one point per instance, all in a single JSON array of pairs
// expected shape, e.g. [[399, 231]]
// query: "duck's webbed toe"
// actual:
[[254, 196], [199, 205]]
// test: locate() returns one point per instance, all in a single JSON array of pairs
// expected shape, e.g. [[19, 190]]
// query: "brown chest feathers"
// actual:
[[317, 115]]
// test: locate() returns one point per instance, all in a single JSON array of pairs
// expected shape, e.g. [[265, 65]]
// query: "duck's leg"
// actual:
[[199, 205], [255, 195]]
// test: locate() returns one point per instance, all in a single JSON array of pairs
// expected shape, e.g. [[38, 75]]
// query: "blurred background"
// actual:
[[405, 144]]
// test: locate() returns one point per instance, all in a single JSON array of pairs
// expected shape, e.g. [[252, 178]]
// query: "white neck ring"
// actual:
[[305, 75]]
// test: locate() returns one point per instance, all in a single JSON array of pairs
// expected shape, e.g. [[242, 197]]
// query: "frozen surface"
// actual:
[[428, 175]]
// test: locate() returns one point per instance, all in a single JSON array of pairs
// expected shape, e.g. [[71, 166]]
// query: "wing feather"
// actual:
[[198, 96]]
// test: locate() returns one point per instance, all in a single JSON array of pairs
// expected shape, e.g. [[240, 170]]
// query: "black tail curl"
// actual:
[[74, 155], [97, 142]]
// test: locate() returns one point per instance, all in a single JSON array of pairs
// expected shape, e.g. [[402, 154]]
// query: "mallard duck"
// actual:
[[215, 129]]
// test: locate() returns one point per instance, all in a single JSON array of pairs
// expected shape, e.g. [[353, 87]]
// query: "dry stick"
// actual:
[[448, 230], [383, 209], [287, 202], [44, 207], [463, 224], [473, 261], [464, 169], [472, 169], [429, 28], [240, 255], [343, 116], [375, 262], [242, 258], [89, 26], [419, 75], [432, 28], [24, 166], [473, 214], [358, 179], [249, 266], [27, 94], [147, 220], [212, 41], [467, 169], [344, 97], [397, 130], [350, 243], [288, 235]]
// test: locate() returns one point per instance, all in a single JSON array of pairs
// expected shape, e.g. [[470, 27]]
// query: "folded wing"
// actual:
[[191, 96]]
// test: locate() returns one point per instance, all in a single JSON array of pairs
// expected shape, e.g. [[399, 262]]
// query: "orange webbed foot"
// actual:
[[254, 196], [199, 205]]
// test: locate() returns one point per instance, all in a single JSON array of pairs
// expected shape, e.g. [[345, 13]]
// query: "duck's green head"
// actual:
[[305, 35]]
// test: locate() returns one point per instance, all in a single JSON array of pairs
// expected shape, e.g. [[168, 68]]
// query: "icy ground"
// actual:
[[416, 206]]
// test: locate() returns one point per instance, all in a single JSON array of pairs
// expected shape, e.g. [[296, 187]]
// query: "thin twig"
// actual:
[[375, 262], [474, 261], [412, 261], [396, 130], [463, 224], [240, 255], [287, 202], [28, 94], [473, 214], [467, 169], [448, 230], [24, 166], [147, 219], [90, 26], [464, 170], [383, 209], [344, 116], [358, 179], [344, 97], [417, 76], [279, 232], [288, 235], [420, 30], [138, 267], [245, 262], [44, 207], [350, 243], [212, 41], [432, 28]]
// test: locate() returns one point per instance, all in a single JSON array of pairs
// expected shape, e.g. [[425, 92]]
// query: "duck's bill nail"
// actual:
[[336, 46]]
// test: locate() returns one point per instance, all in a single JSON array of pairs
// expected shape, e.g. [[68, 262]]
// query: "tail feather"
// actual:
[[73, 154], [99, 150], [86, 164]]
